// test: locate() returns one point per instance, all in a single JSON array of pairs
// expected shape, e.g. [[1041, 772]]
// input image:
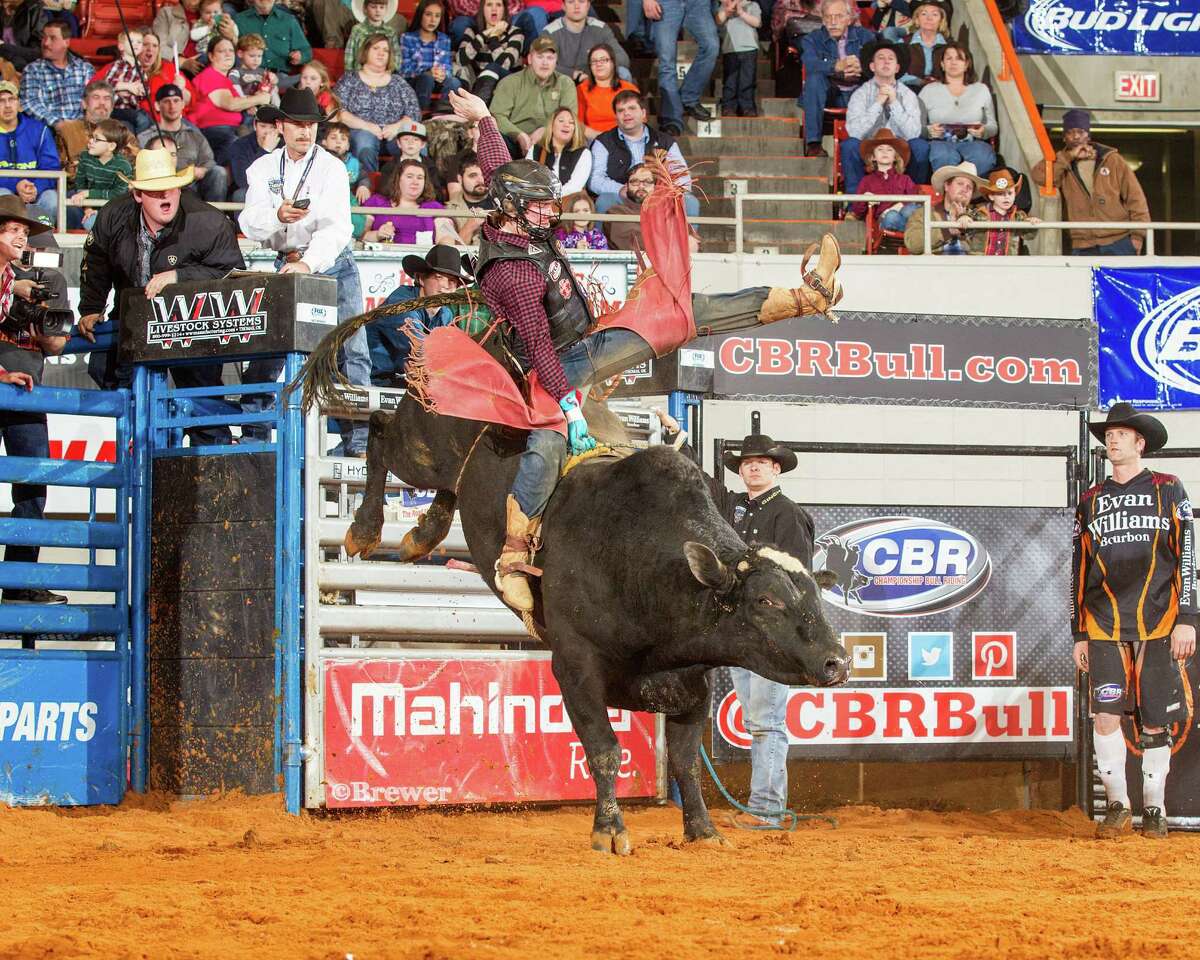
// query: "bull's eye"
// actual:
[[766, 601]]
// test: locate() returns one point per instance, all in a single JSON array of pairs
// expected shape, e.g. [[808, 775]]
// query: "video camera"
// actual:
[[48, 321]]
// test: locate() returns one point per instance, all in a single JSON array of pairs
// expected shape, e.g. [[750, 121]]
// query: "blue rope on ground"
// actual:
[[787, 819]]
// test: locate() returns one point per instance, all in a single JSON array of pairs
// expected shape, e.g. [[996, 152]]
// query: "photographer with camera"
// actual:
[[29, 332]]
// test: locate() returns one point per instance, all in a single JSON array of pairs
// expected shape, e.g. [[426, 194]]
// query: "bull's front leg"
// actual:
[[366, 530]]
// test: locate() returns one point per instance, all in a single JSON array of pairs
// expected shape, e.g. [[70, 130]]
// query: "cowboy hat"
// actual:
[[12, 208], [868, 51], [155, 170], [930, 3], [760, 445], [1001, 180], [297, 105], [1124, 415], [442, 259], [358, 8], [884, 137], [942, 174]]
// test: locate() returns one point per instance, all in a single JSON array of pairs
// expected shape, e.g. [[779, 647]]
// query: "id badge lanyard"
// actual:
[[303, 176]]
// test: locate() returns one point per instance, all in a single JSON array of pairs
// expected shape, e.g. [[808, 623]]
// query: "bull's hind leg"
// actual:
[[367, 528]]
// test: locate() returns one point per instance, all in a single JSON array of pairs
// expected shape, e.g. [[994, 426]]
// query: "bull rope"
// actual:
[[787, 819]]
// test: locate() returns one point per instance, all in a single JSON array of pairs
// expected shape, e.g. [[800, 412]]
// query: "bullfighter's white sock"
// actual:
[[1110, 759], [1155, 763]]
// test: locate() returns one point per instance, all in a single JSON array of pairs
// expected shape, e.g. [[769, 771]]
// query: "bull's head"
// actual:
[[769, 615]]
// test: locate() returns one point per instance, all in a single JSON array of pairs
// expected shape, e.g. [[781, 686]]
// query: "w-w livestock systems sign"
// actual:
[[957, 624]]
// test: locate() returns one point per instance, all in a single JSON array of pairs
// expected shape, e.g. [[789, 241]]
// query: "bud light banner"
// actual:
[[1168, 28], [1149, 324], [425, 731], [957, 623]]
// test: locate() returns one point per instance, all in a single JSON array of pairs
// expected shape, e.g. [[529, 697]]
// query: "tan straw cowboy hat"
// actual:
[[965, 169], [155, 170]]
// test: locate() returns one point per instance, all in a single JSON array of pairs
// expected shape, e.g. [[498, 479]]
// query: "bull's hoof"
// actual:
[[411, 548], [361, 548], [711, 837], [618, 843]]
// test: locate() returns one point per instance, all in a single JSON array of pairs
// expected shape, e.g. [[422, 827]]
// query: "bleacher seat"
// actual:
[[104, 19], [89, 48], [334, 59]]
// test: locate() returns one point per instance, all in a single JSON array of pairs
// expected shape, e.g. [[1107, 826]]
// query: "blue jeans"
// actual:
[[532, 21], [819, 93], [606, 201], [950, 153], [854, 169], [458, 30], [897, 220], [25, 436], [365, 146], [764, 711], [424, 84], [220, 139], [1120, 248], [636, 25], [697, 17]]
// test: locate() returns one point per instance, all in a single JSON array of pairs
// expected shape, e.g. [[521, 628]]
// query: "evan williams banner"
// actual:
[[1149, 324], [441, 731], [905, 358], [1141, 27], [956, 622]]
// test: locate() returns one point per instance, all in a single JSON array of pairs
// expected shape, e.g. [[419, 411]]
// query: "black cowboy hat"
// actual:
[[760, 445], [868, 51], [1124, 415], [297, 105], [442, 259]]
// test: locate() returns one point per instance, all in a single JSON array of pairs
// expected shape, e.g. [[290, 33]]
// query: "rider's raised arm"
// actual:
[[491, 148]]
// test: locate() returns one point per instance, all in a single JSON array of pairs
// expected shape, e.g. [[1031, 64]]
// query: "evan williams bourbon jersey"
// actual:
[[1134, 570]]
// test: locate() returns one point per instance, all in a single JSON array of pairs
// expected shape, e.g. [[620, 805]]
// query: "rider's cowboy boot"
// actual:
[[513, 565], [821, 290]]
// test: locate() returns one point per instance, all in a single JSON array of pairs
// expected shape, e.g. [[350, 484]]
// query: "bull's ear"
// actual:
[[825, 578], [707, 567]]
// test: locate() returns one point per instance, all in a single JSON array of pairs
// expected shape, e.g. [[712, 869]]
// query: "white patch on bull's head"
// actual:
[[743, 566], [780, 559]]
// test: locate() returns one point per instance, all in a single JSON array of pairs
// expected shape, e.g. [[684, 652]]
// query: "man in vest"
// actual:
[[527, 281]]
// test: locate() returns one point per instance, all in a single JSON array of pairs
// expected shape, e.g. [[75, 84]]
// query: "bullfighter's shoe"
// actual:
[[821, 291], [1117, 820], [1154, 823], [513, 565]]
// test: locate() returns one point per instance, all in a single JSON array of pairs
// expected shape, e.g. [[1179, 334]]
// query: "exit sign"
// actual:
[[1140, 85]]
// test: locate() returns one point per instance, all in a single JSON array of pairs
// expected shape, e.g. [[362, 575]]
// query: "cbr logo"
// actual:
[[1108, 693], [1166, 344]]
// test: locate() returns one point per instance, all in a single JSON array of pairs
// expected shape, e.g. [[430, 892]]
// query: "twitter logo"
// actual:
[[931, 656]]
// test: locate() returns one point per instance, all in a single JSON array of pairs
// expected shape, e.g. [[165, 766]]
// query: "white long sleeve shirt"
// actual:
[[326, 231]]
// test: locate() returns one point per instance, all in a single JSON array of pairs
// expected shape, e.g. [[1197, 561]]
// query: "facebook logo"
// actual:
[[931, 656]]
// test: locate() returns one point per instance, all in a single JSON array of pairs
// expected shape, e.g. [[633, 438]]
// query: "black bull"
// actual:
[[645, 589]]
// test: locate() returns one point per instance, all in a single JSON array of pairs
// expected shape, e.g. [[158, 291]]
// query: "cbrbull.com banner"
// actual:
[[906, 358], [957, 625], [1149, 324], [1168, 28]]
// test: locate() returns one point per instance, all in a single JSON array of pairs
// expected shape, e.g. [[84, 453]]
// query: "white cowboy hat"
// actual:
[[965, 169], [356, 6], [155, 170]]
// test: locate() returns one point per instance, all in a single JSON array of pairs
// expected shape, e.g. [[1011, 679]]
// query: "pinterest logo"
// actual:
[[994, 656]]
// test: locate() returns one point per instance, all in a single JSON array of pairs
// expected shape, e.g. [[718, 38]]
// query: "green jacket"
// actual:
[[281, 31], [521, 104], [100, 180]]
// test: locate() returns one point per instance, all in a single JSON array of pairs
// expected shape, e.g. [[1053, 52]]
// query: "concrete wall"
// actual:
[[1090, 81]]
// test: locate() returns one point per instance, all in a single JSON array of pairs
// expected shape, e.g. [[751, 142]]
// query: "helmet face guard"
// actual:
[[519, 184]]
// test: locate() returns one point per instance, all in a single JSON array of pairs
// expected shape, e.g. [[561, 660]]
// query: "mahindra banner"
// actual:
[[957, 625], [906, 358], [429, 730], [1149, 324], [1140, 27]]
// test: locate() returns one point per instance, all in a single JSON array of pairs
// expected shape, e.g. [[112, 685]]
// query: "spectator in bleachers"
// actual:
[[335, 139], [1096, 184], [102, 173], [638, 38], [245, 150], [426, 63], [832, 69], [575, 34], [407, 188], [27, 144], [596, 93], [52, 86], [376, 16], [159, 73], [739, 51], [616, 153], [249, 76], [21, 23], [624, 235], [314, 76], [928, 30], [890, 18], [957, 186], [793, 20], [883, 102], [190, 27], [333, 20], [960, 114], [73, 134], [286, 44], [524, 101], [675, 98], [1000, 206], [490, 49], [193, 148], [565, 151], [374, 100], [467, 191], [580, 234], [886, 156], [217, 108], [536, 14], [122, 75]]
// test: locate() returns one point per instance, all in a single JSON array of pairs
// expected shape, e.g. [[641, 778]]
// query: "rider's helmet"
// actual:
[[521, 182]]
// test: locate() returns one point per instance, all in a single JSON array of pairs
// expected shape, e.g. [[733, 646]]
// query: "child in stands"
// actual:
[[885, 155], [314, 76], [248, 76], [1000, 206], [583, 234], [336, 140], [101, 172]]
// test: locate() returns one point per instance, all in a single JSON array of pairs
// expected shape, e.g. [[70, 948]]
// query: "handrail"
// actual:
[[1011, 70], [16, 173]]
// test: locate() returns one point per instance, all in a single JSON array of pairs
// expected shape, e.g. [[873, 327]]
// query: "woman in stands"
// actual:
[[407, 188], [490, 50], [580, 234], [929, 29], [374, 101], [597, 91], [564, 150], [961, 115], [217, 109], [427, 66], [159, 73], [314, 76]]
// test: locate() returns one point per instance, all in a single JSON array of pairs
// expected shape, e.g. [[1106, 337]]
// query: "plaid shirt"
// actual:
[[122, 71], [51, 94], [419, 57]]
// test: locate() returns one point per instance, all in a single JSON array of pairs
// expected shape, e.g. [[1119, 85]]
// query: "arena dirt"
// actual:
[[236, 877]]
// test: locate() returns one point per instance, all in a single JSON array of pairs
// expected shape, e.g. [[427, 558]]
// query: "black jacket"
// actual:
[[774, 521], [26, 24], [619, 157]]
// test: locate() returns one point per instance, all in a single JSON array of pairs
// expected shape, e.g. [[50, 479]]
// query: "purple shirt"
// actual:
[[406, 227]]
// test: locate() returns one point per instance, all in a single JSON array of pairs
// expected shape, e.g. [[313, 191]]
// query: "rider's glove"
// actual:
[[577, 428]]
